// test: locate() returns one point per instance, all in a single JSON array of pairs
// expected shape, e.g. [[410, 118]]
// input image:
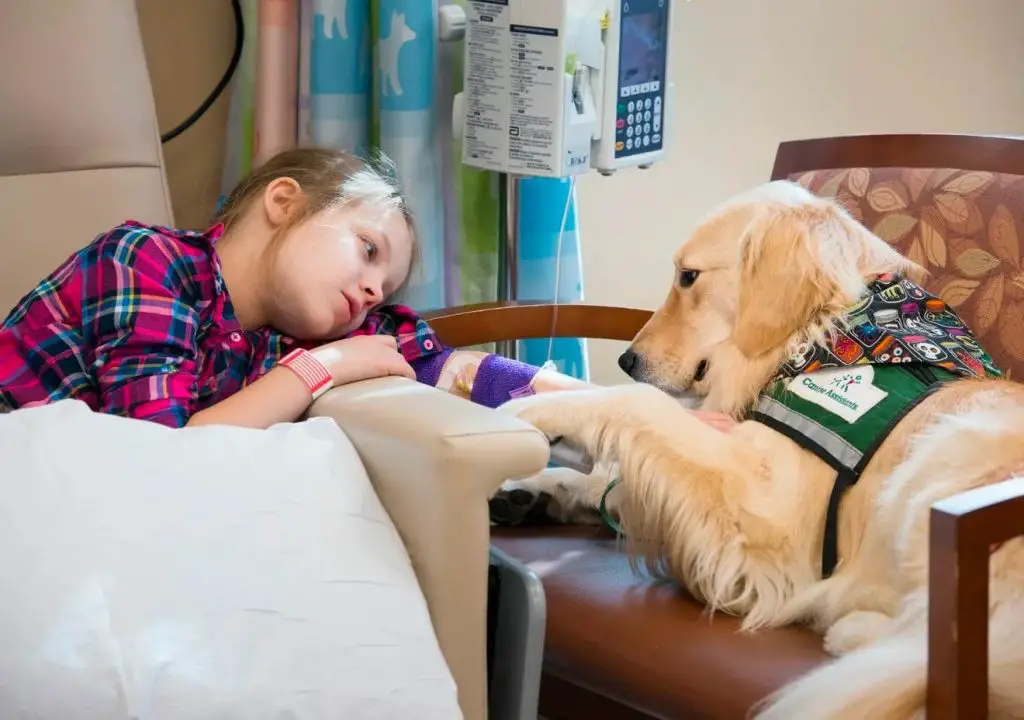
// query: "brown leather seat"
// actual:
[[647, 645]]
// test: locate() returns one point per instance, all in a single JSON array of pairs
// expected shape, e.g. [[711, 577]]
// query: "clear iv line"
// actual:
[[558, 267]]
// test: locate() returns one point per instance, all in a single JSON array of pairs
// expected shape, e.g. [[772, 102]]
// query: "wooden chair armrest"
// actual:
[[963, 529], [523, 320]]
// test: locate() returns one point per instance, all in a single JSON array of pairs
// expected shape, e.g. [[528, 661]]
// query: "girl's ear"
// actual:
[[282, 199]]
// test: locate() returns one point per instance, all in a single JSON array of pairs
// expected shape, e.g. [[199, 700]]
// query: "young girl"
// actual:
[[240, 324]]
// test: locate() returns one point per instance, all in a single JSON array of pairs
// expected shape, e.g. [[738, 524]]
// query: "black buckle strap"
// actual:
[[845, 479]]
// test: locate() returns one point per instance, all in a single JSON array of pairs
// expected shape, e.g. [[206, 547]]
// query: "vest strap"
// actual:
[[807, 433], [845, 479]]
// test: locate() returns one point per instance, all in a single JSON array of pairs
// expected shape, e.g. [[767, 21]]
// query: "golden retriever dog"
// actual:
[[738, 517]]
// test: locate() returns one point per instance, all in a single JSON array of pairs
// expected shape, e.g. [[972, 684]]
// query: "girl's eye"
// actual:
[[371, 249]]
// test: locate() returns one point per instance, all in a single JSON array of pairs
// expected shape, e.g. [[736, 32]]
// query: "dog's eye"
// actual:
[[688, 277]]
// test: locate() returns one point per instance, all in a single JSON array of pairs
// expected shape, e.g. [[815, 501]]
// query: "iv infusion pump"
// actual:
[[555, 88]]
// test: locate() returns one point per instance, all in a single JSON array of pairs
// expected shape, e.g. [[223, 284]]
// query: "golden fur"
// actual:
[[738, 517]]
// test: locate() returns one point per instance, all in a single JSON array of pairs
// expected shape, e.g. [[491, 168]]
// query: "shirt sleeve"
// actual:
[[142, 322], [428, 369]]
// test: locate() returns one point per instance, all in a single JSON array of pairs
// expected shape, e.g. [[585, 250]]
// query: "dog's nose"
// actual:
[[629, 361]]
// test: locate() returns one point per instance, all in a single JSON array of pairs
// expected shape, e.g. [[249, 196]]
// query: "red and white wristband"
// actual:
[[310, 370]]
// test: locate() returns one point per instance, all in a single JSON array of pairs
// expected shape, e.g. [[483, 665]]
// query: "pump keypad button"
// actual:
[[638, 124]]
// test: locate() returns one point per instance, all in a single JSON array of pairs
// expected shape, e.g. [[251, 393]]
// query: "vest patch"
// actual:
[[846, 392], [845, 412]]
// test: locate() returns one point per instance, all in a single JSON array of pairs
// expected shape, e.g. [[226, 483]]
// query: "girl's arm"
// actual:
[[488, 379], [279, 396], [485, 379], [491, 380], [139, 316]]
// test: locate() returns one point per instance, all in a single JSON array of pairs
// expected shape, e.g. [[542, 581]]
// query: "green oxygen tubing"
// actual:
[[569, 456]]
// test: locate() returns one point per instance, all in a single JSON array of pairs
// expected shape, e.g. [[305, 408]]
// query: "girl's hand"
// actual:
[[718, 421], [553, 381], [363, 357]]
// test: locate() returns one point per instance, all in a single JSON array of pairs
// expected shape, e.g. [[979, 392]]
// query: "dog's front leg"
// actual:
[[595, 419], [687, 494], [562, 495]]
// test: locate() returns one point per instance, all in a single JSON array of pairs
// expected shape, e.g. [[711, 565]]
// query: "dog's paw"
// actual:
[[541, 405], [559, 415], [557, 495], [855, 631], [581, 416], [518, 506]]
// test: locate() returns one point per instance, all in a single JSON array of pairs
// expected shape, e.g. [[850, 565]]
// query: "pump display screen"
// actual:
[[643, 40], [642, 55]]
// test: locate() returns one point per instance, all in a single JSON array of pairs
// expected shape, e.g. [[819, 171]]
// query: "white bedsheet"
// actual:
[[203, 573]]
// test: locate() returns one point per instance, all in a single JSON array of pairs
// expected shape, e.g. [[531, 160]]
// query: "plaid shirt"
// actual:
[[139, 324]]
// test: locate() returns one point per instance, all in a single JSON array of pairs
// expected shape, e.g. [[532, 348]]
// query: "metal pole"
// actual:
[[508, 252]]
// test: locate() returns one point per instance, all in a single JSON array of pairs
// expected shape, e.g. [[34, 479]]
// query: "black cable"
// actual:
[[236, 56]]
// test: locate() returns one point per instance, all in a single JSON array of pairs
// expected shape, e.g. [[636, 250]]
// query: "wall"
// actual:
[[188, 47], [750, 74]]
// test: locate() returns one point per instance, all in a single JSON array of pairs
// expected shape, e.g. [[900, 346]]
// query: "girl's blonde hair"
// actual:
[[328, 178]]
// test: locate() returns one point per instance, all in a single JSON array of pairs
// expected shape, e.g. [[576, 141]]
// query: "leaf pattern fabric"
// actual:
[[963, 226]]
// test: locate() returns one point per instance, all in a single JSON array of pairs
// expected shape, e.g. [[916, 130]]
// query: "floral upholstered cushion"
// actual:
[[966, 228]]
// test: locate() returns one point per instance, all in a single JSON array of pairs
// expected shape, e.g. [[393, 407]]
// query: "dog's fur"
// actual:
[[738, 517]]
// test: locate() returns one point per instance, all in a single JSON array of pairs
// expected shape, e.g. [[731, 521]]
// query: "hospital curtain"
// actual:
[[365, 74]]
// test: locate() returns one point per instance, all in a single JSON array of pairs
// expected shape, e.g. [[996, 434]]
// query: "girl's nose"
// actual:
[[372, 291]]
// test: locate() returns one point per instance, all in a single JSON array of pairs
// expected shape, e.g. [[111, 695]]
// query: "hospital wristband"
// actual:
[[310, 370]]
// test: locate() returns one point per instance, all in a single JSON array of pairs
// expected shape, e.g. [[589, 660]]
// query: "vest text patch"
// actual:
[[847, 392]]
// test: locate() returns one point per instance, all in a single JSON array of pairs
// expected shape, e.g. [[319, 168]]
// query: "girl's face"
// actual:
[[335, 267]]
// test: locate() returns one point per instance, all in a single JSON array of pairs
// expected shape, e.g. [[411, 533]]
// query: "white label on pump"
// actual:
[[535, 98], [485, 136]]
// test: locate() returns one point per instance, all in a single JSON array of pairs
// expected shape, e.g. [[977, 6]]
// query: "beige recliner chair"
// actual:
[[80, 152]]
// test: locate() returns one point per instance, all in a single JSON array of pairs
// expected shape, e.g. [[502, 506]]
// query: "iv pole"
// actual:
[[508, 251]]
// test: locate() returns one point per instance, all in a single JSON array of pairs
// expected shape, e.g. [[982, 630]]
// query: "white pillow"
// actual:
[[203, 573]]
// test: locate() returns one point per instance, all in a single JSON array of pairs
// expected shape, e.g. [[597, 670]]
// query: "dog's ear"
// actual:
[[781, 283], [800, 262]]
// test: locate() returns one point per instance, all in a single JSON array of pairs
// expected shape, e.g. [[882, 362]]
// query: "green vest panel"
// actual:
[[844, 414]]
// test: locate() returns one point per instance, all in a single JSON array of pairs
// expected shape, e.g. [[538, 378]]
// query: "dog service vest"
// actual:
[[841, 399]]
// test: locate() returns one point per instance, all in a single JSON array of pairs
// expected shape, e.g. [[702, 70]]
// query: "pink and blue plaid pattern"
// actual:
[[138, 323]]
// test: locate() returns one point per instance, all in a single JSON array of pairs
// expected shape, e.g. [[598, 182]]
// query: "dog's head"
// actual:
[[769, 268]]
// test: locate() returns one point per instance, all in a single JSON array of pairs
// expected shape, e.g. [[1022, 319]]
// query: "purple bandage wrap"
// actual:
[[428, 369], [499, 380]]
